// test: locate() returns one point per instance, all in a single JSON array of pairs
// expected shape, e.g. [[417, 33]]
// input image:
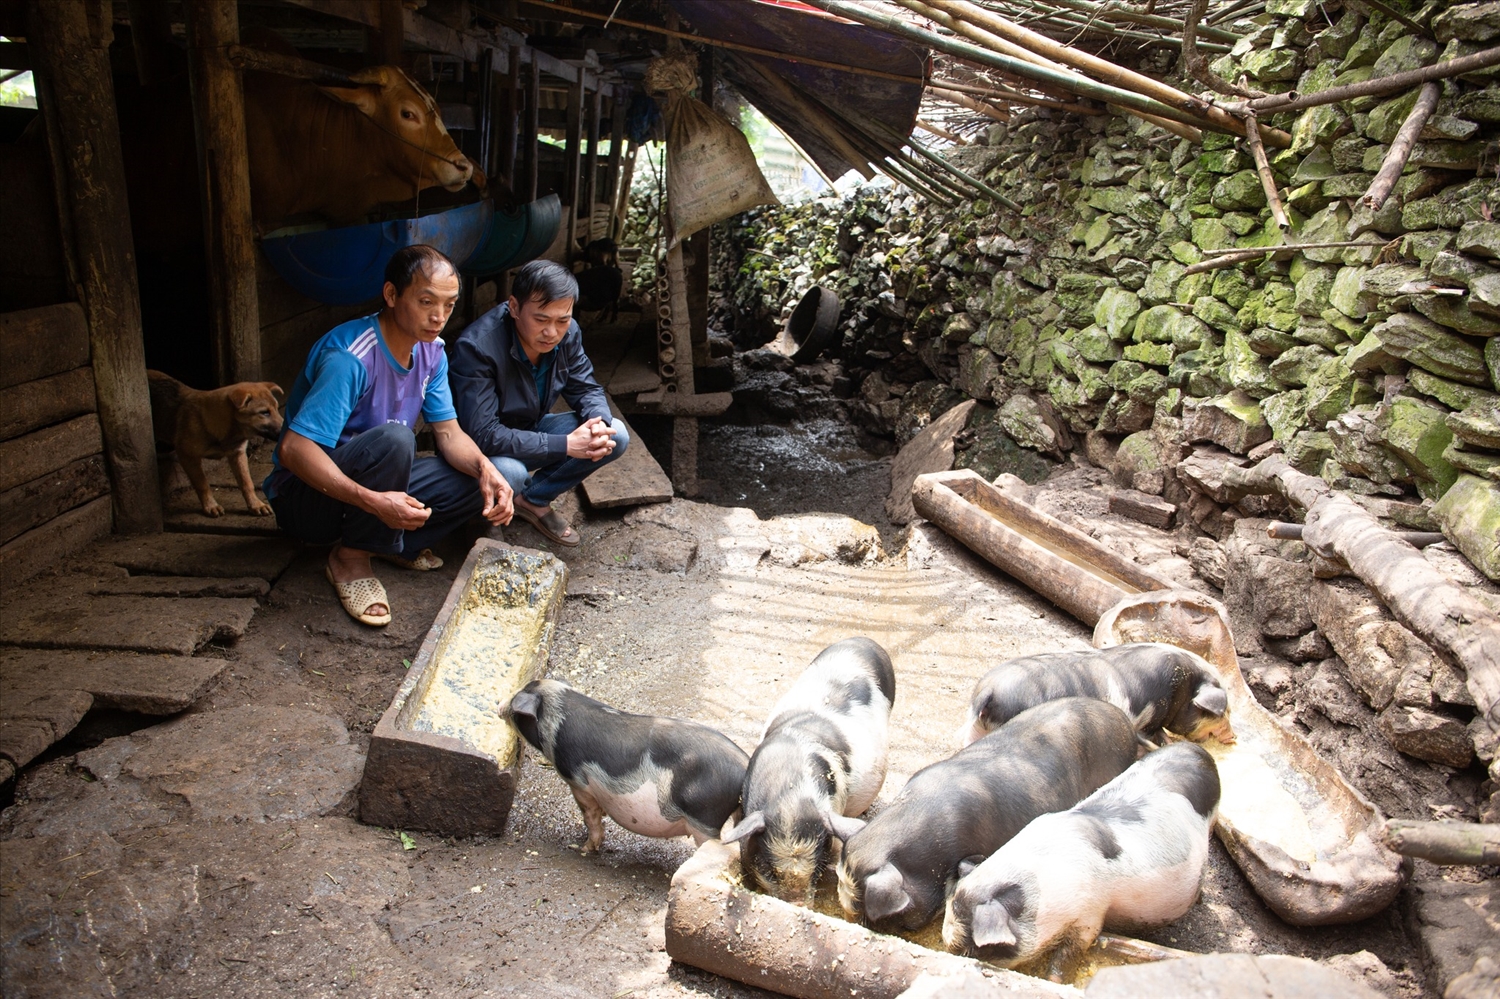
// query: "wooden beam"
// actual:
[[591, 168], [508, 120], [531, 156], [572, 194], [77, 97], [392, 31], [40, 342], [616, 158], [224, 188], [151, 37]]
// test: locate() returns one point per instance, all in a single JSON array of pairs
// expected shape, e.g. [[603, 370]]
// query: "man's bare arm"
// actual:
[[310, 463]]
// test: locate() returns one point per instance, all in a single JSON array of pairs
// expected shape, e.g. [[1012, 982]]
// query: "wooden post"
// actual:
[[700, 245], [151, 37], [392, 31], [78, 102], [224, 188], [616, 156], [508, 120], [529, 152], [590, 189], [572, 193], [487, 107], [622, 198]]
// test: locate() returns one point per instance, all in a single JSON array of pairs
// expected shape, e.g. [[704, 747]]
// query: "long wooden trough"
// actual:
[[1308, 842], [443, 758]]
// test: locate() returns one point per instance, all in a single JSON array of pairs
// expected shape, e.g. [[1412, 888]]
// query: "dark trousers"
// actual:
[[383, 459]]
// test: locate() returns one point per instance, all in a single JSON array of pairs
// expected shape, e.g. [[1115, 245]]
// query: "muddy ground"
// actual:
[[219, 855]]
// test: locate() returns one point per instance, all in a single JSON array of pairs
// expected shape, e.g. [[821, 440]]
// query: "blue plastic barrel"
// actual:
[[516, 237]]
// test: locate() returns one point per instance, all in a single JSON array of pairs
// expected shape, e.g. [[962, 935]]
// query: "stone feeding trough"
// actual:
[[443, 757], [1307, 841]]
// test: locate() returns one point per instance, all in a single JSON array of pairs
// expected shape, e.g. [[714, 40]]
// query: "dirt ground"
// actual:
[[219, 855]]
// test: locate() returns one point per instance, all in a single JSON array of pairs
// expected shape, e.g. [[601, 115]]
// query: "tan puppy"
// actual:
[[215, 424]]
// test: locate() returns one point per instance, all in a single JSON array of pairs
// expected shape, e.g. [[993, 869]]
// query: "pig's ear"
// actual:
[[885, 894], [753, 823], [525, 705], [992, 926], [841, 827], [968, 864], [1211, 699]]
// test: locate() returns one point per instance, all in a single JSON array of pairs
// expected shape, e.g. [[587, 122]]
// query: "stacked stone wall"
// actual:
[[1076, 326]]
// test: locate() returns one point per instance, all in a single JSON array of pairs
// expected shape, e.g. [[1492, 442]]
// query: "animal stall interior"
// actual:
[[1056, 551]]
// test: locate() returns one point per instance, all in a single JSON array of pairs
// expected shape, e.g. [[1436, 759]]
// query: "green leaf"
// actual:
[[407, 842]]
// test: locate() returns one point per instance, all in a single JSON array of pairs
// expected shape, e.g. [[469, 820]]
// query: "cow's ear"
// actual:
[[365, 98]]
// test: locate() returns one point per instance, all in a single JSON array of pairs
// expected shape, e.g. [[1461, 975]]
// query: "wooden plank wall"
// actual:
[[54, 490]]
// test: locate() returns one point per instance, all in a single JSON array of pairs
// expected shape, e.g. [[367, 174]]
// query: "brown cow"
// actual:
[[338, 151]]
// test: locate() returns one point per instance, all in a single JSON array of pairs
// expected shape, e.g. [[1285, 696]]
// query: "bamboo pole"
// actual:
[[1154, 20], [974, 182], [224, 188], [942, 133], [1017, 67], [945, 87], [1177, 128], [1378, 86], [77, 98], [1263, 170], [1400, 151], [965, 101], [1110, 73]]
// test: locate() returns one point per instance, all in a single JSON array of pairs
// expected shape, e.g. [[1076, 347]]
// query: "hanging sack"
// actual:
[[711, 170]]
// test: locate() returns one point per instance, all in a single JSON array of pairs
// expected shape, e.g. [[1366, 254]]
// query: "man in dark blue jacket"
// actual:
[[508, 369]]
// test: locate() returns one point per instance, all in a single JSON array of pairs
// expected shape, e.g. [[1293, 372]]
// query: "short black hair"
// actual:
[[409, 261], [543, 281]]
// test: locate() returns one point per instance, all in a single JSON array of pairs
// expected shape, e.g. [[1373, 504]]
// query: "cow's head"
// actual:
[[424, 150]]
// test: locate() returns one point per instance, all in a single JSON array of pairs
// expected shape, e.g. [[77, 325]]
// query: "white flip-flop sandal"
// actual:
[[426, 561], [359, 595]]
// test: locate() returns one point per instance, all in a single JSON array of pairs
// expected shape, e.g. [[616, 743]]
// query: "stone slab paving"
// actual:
[[179, 626], [152, 685], [224, 556]]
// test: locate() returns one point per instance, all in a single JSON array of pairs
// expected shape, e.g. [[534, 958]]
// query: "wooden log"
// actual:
[[1143, 508], [622, 198], [33, 503], [1443, 615], [1375, 87], [245, 57], [35, 454], [77, 99], [1401, 146], [618, 108], [40, 342], [1417, 539], [224, 188], [1062, 564], [508, 119], [392, 31], [28, 407], [43, 547], [1445, 842]]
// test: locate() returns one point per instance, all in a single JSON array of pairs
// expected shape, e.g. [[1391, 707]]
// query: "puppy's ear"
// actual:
[[275, 390], [239, 396]]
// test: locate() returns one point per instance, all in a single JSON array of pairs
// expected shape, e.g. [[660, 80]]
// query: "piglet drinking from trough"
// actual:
[[1159, 685], [1129, 855], [654, 776], [896, 869], [822, 758]]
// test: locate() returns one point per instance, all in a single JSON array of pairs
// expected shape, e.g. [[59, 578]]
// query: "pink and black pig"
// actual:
[[1158, 685], [897, 868], [1128, 856], [654, 776], [822, 758]]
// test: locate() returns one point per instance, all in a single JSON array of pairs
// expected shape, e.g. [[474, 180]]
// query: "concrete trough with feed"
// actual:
[[443, 757]]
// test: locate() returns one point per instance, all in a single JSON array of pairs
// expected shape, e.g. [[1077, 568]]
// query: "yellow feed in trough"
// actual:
[[492, 638], [1255, 797]]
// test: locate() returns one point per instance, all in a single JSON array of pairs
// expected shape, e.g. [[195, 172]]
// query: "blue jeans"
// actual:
[[541, 486], [383, 459]]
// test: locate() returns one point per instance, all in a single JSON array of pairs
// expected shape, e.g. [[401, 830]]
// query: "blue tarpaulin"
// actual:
[[798, 30]]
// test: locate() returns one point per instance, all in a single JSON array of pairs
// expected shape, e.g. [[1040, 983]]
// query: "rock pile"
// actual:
[[1374, 365]]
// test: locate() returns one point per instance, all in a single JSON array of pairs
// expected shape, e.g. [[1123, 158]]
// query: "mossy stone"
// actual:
[[1160, 282], [1286, 412], [1156, 324], [1408, 52], [1116, 312], [1225, 161], [1416, 431], [1347, 294], [1239, 191], [1211, 234], [1313, 290], [1271, 65], [1094, 344], [1157, 354], [1217, 314], [1469, 513], [1433, 348], [1296, 365], [1450, 394]]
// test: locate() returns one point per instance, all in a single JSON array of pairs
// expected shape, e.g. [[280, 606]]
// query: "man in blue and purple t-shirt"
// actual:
[[346, 470]]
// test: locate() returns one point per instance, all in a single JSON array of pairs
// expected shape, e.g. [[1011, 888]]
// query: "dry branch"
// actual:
[[942, 133], [1107, 71], [944, 87], [1292, 101], [965, 101], [1190, 37], [1219, 259], [1110, 13], [1419, 597], [1188, 132], [1400, 151], [1263, 171], [1445, 842]]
